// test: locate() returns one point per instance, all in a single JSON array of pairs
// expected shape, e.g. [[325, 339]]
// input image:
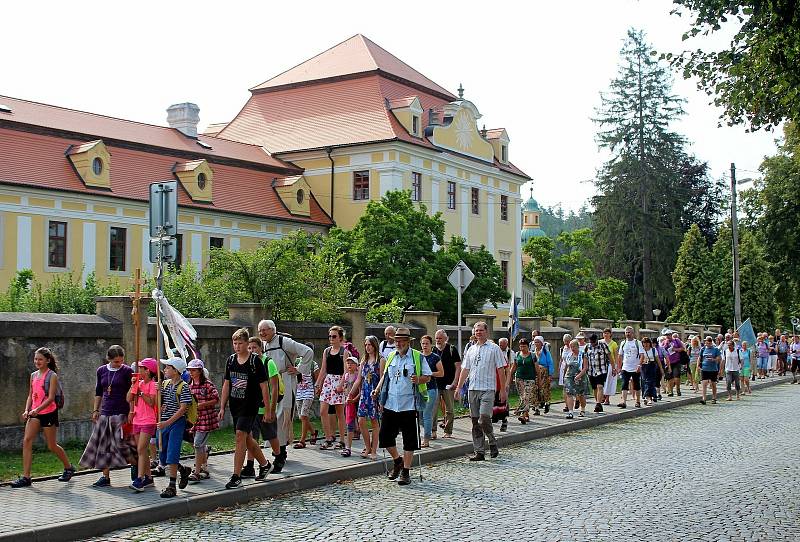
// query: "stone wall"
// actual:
[[80, 343]]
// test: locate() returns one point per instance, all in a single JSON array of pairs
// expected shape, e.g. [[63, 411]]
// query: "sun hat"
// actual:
[[403, 333]]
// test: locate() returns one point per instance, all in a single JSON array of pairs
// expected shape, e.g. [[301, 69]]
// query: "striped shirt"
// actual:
[[482, 361], [599, 357], [169, 398]]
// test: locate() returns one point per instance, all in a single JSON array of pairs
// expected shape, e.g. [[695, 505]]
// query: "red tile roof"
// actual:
[[332, 113], [37, 160], [94, 126], [356, 55]]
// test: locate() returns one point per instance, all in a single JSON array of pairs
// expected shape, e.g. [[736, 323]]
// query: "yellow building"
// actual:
[[361, 122], [310, 148], [74, 191]]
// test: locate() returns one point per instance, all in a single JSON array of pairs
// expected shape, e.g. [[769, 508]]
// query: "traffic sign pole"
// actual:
[[460, 277], [460, 289]]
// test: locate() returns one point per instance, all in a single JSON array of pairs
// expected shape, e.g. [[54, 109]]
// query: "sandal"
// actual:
[[373, 456], [346, 452], [365, 453], [203, 475], [638, 404], [327, 445], [299, 446], [622, 405], [194, 477], [314, 437], [340, 446]]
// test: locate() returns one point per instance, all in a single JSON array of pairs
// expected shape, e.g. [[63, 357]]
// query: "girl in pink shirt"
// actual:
[[41, 414], [142, 397]]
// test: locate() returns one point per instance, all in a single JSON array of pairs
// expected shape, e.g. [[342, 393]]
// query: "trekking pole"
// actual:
[[419, 432]]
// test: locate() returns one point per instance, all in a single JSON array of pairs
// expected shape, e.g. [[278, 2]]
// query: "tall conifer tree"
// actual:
[[649, 182]]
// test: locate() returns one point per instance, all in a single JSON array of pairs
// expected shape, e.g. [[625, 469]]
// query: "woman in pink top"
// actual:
[[41, 414]]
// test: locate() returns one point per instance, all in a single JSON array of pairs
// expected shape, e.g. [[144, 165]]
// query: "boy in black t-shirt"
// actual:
[[245, 386]]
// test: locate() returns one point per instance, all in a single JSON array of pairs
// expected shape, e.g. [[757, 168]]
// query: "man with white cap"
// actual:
[[284, 352]]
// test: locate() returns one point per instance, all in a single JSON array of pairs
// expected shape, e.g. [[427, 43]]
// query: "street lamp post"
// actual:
[[656, 313]]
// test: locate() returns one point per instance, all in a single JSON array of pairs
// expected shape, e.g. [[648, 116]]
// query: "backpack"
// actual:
[[191, 410], [59, 398]]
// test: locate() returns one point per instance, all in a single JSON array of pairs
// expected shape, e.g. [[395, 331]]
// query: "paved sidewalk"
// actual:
[[51, 510]]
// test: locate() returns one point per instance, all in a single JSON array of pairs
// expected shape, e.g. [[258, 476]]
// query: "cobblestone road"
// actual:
[[720, 472]]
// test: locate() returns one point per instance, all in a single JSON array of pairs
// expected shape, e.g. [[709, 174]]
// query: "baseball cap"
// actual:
[[150, 364], [196, 364], [177, 363]]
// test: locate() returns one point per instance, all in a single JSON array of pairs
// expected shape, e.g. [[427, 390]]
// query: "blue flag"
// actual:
[[746, 333], [513, 318]]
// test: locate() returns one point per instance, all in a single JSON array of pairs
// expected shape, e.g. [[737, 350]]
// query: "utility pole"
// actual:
[[737, 296]]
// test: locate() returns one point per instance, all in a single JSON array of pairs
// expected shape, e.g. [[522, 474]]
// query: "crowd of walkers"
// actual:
[[392, 389]]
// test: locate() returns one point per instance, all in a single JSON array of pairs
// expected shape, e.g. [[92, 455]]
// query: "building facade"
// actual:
[[360, 122], [74, 192], [310, 149]]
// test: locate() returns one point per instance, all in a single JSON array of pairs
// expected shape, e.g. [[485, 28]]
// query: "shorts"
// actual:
[[265, 430], [48, 420], [399, 422], [200, 439], [599, 380], [350, 416], [244, 423], [147, 429], [631, 376], [674, 370], [763, 363], [171, 439], [306, 407], [710, 375]]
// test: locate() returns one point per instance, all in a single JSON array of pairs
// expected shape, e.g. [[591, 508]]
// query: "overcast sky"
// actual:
[[535, 68]]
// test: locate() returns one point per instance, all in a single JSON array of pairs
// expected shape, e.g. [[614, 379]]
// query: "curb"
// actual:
[[183, 506]]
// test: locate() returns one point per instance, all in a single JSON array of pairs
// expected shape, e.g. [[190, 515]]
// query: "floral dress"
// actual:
[[572, 366], [367, 405]]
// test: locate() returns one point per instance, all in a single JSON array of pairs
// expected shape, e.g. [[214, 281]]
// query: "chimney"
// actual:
[[184, 117]]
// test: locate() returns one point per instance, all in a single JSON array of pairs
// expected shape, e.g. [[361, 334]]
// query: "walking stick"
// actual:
[[415, 388]]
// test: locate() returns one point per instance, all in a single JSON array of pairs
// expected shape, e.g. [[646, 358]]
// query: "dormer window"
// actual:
[[504, 153], [92, 163], [408, 112], [197, 178]]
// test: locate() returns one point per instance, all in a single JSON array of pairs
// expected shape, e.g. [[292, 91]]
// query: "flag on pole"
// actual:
[[513, 318], [746, 333]]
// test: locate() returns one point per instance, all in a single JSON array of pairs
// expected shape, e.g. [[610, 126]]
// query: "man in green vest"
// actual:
[[401, 389]]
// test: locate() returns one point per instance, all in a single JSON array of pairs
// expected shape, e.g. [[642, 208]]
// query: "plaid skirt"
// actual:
[[108, 448]]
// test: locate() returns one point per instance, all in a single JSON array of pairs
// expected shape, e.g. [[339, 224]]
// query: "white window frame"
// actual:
[[127, 271]]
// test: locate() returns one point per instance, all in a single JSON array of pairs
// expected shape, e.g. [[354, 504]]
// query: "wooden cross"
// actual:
[[136, 296]]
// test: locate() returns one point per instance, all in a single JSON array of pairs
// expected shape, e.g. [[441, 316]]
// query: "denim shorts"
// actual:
[[171, 439]]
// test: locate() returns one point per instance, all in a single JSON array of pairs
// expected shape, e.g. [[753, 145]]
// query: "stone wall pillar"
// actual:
[[655, 325], [472, 319], [531, 323], [697, 329], [248, 315], [572, 324], [635, 324], [357, 318], [120, 309], [428, 320], [601, 323]]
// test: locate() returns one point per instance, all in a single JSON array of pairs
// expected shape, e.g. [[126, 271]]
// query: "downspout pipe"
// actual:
[[329, 150]]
